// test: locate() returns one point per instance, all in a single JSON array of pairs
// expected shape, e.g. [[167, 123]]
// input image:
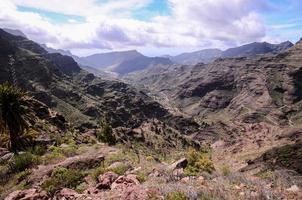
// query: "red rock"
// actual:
[[134, 193], [106, 180], [124, 182], [29, 194], [69, 194]]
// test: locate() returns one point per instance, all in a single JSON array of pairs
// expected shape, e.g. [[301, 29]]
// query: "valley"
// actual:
[[201, 125]]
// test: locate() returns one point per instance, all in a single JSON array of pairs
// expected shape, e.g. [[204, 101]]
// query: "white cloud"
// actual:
[[110, 25]]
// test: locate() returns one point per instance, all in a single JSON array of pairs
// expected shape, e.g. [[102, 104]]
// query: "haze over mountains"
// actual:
[[125, 62], [209, 55]]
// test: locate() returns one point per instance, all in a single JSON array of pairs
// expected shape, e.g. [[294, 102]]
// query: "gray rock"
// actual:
[[180, 164]]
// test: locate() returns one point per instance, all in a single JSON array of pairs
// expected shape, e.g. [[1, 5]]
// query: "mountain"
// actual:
[[60, 51], [256, 48], [204, 56], [255, 102], [209, 55], [83, 99], [14, 32], [122, 62], [109, 65]]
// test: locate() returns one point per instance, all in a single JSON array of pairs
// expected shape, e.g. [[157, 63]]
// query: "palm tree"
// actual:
[[15, 114]]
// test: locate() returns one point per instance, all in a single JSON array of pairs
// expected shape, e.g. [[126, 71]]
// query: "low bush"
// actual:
[[23, 175], [141, 177], [178, 195], [120, 170], [39, 150], [225, 169], [97, 172], [63, 178], [23, 161], [68, 150], [198, 162]]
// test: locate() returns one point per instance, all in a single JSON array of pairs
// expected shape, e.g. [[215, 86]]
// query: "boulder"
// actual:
[[6, 157], [293, 188], [120, 164], [134, 193], [69, 194], [3, 151], [29, 194], [106, 180], [180, 164], [124, 182], [84, 163]]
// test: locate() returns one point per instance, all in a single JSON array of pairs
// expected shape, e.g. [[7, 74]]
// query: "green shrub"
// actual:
[[97, 172], [62, 177], [265, 174], [205, 197], [23, 161], [23, 175], [120, 170], [67, 138], [81, 187], [225, 169], [105, 134], [39, 150], [198, 162], [178, 195], [68, 150], [141, 177]]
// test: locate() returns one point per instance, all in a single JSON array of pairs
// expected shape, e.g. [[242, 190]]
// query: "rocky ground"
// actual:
[[120, 173]]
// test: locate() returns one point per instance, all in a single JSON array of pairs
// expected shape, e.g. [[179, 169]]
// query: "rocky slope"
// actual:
[[82, 98], [255, 103]]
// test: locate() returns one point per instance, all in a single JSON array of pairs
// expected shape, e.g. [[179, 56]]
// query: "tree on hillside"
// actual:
[[15, 114], [105, 133]]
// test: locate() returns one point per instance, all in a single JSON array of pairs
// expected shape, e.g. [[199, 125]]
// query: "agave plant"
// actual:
[[15, 114]]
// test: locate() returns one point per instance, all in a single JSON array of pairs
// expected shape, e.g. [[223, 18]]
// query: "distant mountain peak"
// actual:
[[14, 32]]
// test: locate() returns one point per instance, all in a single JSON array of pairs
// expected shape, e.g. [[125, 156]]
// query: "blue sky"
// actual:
[[53, 17], [154, 27]]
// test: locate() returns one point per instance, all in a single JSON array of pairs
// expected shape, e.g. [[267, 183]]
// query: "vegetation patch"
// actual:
[[198, 161], [23, 161], [63, 178], [105, 134], [178, 195]]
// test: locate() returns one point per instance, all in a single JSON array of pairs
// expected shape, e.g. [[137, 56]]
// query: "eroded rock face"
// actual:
[[29, 194]]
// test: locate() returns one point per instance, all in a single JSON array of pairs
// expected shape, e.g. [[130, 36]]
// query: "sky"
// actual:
[[153, 27]]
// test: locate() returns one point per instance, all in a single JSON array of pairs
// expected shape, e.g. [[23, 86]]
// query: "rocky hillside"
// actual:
[[254, 83], [82, 98], [255, 103]]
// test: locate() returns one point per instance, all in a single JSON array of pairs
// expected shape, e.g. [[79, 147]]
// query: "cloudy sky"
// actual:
[[154, 27]]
